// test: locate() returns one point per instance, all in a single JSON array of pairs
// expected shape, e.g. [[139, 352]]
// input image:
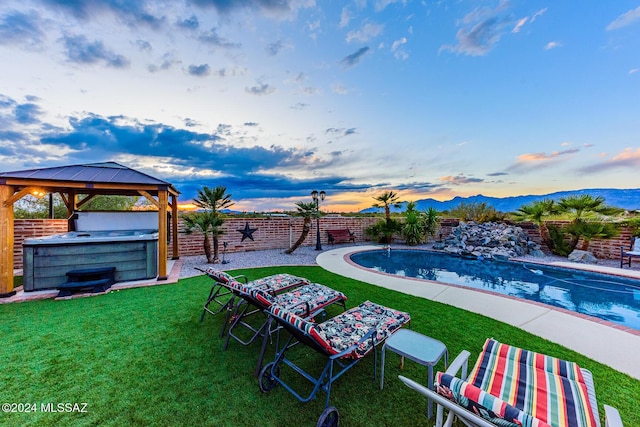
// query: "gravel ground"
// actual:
[[306, 255]]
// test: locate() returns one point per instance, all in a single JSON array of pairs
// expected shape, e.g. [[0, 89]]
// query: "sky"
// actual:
[[276, 98]]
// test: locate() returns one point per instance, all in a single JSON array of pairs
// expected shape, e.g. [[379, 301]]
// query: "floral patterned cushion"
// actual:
[[339, 333], [304, 300], [273, 284]]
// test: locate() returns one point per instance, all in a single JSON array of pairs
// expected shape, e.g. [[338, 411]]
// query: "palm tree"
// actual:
[[308, 211], [387, 199], [537, 212], [214, 200], [202, 222], [587, 230], [578, 205]]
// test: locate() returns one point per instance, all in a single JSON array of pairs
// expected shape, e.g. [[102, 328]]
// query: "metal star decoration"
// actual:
[[247, 231]]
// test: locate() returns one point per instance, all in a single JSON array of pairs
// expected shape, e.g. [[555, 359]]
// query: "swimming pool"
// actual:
[[607, 297]]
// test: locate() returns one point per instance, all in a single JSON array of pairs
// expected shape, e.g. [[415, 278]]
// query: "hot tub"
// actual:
[[46, 260]]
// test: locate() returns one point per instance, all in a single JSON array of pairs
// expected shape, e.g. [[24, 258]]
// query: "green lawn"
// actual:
[[142, 357]]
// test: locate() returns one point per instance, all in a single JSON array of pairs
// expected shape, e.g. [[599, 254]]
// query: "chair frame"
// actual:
[[459, 368], [628, 253], [336, 366]]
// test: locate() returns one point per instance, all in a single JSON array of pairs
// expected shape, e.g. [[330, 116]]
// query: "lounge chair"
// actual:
[[344, 339], [225, 284], [633, 251], [509, 386], [307, 301]]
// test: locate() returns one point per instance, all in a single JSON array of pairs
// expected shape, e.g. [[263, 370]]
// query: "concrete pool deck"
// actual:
[[602, 341]]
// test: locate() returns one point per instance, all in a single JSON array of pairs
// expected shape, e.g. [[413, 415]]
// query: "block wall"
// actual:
[[280, 233]]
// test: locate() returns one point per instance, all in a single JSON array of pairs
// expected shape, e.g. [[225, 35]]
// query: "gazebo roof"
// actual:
[[107, 175]]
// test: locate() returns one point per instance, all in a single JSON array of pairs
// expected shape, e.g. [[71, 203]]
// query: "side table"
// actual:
[[417, 347]]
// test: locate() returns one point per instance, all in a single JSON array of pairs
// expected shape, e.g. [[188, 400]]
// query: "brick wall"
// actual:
[[280, 233]]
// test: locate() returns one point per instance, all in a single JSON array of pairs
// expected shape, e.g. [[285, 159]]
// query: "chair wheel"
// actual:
[[329, 417], [266, 381]]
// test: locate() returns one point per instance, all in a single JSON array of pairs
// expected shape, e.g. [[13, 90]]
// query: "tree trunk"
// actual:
[[207, 248], [215, 249], [306, 227]]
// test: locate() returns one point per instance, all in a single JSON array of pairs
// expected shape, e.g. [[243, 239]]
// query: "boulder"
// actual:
[[583, 257]]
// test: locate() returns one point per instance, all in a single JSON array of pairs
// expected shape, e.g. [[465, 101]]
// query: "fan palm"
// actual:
[[308, 211], [387, 199], [202, 222], [214, 200]]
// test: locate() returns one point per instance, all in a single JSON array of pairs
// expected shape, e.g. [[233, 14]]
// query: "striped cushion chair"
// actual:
[[512, 387]]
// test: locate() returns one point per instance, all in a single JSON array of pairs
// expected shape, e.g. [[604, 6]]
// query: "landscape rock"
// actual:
[[489, 240], [583, 257]]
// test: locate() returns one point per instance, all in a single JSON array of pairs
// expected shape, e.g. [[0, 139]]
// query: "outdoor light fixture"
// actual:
[[38, 192], [318, 197]]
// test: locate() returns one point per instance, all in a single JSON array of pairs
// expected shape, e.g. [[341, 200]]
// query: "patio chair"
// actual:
[[307, 301], [344, 339], [225, 284], [633, 251], [509, 386]]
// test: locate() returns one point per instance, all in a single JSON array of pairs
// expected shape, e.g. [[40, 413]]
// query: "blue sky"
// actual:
[[276, 98]]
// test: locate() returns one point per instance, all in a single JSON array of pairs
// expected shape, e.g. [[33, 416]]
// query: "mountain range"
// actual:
[[628, 199]]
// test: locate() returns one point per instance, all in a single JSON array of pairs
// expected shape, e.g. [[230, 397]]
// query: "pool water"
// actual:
[[607, 297]]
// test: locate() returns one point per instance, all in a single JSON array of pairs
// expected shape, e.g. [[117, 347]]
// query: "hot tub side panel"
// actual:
[[45, 266]]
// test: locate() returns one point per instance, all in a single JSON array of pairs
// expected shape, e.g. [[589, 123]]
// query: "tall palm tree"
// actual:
[[587, 229], [202, 222], [214, 200], [308, 211], [387, 199]]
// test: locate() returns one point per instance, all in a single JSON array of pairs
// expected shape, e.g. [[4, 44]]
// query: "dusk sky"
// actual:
[[276, 98]]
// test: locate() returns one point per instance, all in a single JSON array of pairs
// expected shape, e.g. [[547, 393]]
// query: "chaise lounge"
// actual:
[[509, 386]]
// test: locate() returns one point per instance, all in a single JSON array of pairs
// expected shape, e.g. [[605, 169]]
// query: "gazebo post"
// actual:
[[6, 242], [174, 227], [163, 201]]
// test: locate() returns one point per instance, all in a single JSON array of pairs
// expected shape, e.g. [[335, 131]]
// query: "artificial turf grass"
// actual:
[[142, 357]]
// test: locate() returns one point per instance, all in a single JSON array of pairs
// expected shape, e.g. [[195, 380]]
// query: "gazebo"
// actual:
[[88, 180]]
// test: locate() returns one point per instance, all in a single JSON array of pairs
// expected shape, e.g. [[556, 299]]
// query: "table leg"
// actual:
[[430, 383], [384, 350]]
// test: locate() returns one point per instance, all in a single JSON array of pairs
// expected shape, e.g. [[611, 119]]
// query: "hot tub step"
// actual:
[[88, 280]]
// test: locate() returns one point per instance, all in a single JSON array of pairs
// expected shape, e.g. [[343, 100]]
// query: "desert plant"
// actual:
[[202, 222], [387, 199], [214, 200], [384, 231], [430, 221], [307, 211], [588, 230], [413, 228], [478, 212]]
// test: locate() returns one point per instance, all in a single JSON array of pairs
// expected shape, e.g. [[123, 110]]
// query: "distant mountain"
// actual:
[[626, 199]]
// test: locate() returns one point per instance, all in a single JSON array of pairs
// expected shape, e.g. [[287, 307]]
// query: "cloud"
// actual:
[[520, 24], [628, 158], [345, 17], [275, 48], [540, 160], [280, 9], [190, 23], [212, 38], [79, 50], [481, 30], [497, 174], [132, 13], [552, 45], [340, 132], [628, 18], [366, 33], [354, 58], [202, 70], [260, 89], [28, 113], [17, 28], [460, 179]]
